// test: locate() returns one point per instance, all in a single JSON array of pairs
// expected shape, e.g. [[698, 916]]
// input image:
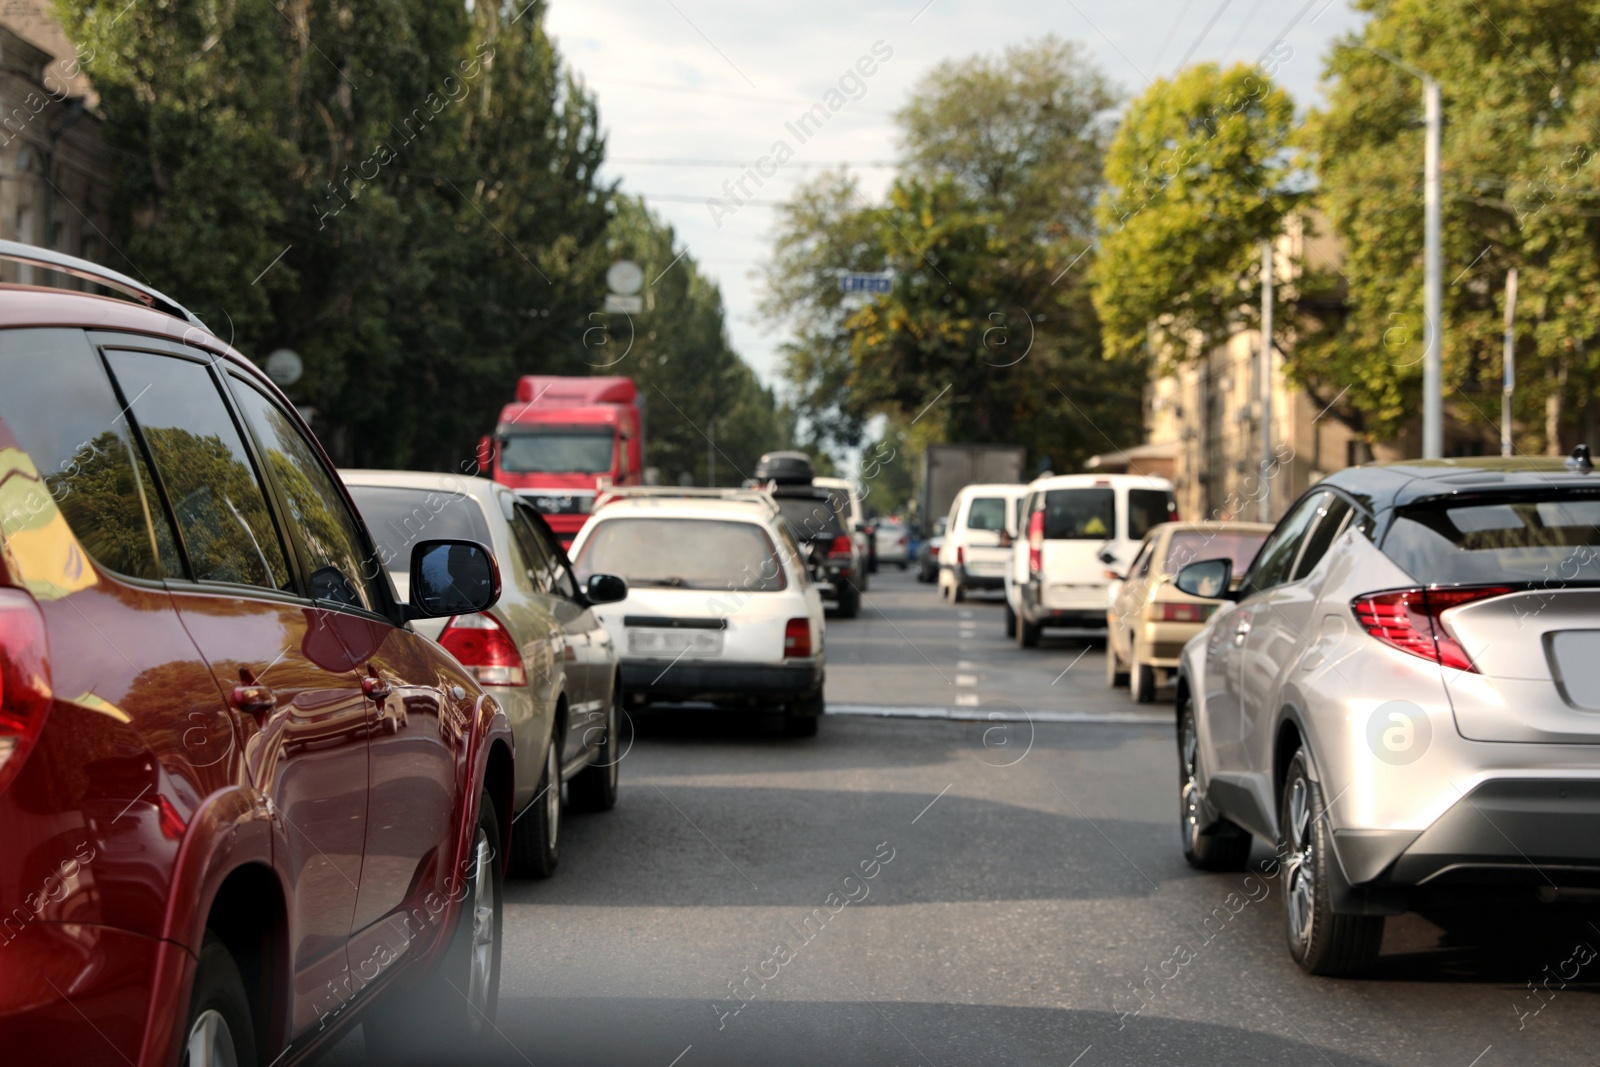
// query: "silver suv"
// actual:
[[1402, 696]]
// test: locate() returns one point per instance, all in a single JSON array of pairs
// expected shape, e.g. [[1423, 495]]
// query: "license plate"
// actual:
[[1573, 655], [653, 642]]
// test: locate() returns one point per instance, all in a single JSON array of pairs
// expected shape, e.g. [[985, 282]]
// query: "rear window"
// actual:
[[810, 518], [987, 513], [1148, 508], [1535, 537], [1080, 514], [398, 518], [684, 554], [1192, 546]]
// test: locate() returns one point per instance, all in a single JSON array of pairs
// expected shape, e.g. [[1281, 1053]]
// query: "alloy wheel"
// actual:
[[210, 1041], [552, 792], [1300, 866], [481, 956]]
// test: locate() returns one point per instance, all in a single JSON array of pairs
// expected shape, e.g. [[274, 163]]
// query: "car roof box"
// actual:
[[785, 468]]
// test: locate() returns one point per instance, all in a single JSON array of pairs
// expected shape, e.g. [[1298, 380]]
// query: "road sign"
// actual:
[[872, 282], [631, 305], [625, 277], [284, 367]]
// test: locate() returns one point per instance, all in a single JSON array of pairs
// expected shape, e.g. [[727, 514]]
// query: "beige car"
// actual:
[[1150, 619]]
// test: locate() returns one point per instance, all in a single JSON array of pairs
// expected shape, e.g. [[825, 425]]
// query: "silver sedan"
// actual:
[[1401, 697]]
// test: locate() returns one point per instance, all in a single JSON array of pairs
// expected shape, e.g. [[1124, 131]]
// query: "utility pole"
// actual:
[[1508, 363], [1266, 381], [1432, 397]]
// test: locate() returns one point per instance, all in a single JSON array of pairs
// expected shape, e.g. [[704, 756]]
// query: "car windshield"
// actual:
[[1539, 537], [557, 452], [1080, 514], [1190, 546], [810, 518], [399, 517], [987, 513], [717, 554]]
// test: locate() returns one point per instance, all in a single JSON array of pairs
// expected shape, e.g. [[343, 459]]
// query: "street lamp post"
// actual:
[[1432, 397], [1432, 297]]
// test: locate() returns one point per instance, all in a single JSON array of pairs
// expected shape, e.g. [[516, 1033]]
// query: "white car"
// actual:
[[720, 607], [855, 522], [893, 540], [977, 539], [540, 650], [1077, 530]]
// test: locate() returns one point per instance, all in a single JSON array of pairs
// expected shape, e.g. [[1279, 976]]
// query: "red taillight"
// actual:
[[961, 555], [797, 638], [903, 541], [168, 819], [25, 691], [1035, 542], [1183, 612], [1411, 620], [485, 648], [841, 547]]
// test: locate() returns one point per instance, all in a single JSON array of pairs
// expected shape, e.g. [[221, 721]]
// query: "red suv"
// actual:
[[242, 803]]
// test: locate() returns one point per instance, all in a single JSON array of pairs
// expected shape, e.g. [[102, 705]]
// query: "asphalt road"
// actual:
[[1027, 903]]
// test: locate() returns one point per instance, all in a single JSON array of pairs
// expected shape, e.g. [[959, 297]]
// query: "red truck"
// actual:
[[561, 437]]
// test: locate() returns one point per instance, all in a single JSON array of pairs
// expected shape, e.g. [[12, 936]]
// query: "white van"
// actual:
[[978, 538], [1074, 528]]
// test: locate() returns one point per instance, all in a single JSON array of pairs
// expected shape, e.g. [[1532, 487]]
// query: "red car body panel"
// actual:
[[147, 791]]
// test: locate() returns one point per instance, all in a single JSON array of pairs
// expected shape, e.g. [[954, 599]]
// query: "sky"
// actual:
[[691, 92]]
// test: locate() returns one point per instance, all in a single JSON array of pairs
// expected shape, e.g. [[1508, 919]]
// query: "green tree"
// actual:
[[1521, 90], [1195, 182]]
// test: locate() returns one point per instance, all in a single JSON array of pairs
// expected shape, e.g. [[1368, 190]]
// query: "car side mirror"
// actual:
[[452, 578], [1208, 578], [605, 589]]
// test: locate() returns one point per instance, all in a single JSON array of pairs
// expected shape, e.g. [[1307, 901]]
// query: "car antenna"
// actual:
[[1579, 460]]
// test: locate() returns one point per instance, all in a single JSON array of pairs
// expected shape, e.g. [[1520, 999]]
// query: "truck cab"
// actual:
[[562, 439]]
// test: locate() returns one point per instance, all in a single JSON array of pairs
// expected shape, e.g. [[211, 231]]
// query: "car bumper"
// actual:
[[1510, 831], [1162, 642], [971, 579], [665, 680]]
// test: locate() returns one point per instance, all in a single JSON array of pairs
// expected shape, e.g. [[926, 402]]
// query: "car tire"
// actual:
[[1141, 680], [801, 718], [958, 593], [1221, 847], [1028, 633], [448, 1016], [595, 787], [1011, 621], [220, 1030], [536, 833], [849, 600], [1321, 942], [1116, 677], [903, 566]]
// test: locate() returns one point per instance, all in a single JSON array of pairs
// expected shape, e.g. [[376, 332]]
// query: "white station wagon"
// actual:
[[720, 607]]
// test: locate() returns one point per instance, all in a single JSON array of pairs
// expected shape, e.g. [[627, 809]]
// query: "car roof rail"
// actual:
[[609, 494], [34, 256]]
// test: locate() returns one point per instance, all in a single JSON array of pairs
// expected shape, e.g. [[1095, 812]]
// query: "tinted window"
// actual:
[[810, 518], [211, 485], [1548, 536], [59, 407], [1191, 546], [1147, 508], [398, 518], [1080, 514], [987, 513], [555, 578], [1141, 563], [534, 552], [559, 452], [684, 554], [319, 520], [1277, 556], [1335, 515]]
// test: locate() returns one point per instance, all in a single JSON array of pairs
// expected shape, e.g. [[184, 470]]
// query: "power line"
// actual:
[[641, 161], [1203, 32]]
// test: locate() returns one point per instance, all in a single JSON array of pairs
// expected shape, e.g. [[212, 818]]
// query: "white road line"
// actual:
[[966, 700], [1155, 717], [966, 679]]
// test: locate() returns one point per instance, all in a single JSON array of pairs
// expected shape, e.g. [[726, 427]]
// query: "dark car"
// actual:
[[243, 805], [833, 555]]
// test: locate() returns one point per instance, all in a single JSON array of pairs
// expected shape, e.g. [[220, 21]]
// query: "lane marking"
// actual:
[[1155, 717], [966, 679], [966, 700]]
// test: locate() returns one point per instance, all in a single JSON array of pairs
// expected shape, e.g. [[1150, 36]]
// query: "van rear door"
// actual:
[[1079, 523]]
